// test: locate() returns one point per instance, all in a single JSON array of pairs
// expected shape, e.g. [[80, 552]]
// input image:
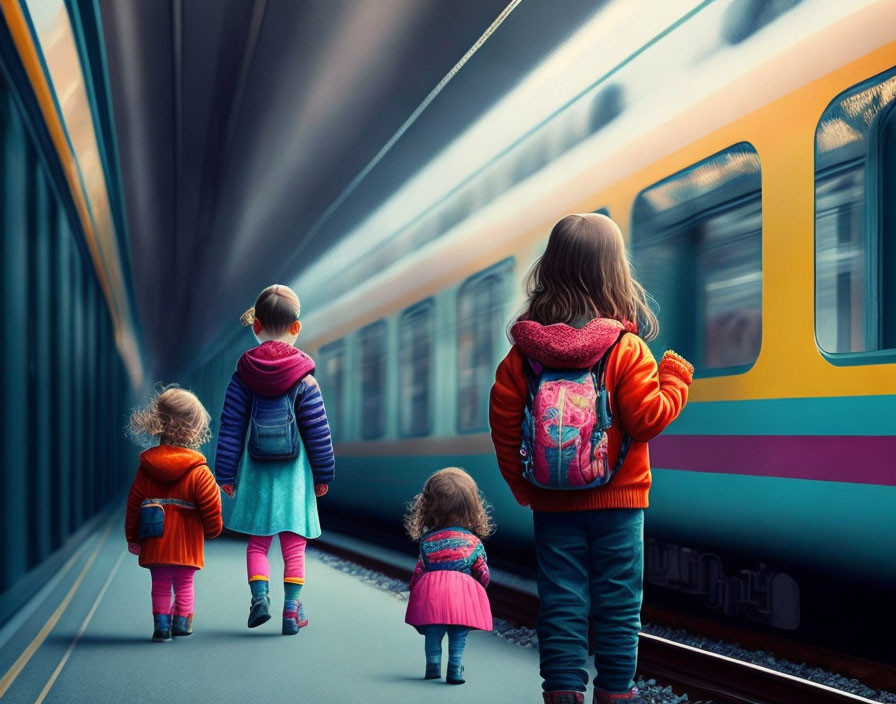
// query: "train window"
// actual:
[[855, 229], [480, 318], [331, 377], [373, 380], [415, 348], [697, 246]]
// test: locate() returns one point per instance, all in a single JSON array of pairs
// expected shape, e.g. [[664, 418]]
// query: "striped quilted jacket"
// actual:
[[272, 369], [452, 549]]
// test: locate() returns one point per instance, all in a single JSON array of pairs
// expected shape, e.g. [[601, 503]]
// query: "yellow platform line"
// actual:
[[39, 639], [86, 622]]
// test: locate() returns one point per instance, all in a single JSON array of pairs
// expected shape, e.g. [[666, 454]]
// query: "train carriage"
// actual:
[[757, 203]]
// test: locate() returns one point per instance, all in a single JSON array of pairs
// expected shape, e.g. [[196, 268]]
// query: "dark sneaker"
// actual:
[[162, 627], [259, 610], [433, 671], [182, 625], [565, 697], [294, 620], [633, 696], [455, 674]]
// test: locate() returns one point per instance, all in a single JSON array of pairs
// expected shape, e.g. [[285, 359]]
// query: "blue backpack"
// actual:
[[273, 429]]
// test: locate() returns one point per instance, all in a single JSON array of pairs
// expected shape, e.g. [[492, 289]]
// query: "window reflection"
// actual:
[[331, 377], [854, 156], [697, 245], [415, 333], [373, 380], [480, 318]]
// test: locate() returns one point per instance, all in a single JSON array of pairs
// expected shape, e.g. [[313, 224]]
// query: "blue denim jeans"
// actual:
[[590, 563], [457, 641]]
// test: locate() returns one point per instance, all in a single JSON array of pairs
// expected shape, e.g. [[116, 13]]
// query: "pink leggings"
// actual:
[[293, 548], [179, 578]]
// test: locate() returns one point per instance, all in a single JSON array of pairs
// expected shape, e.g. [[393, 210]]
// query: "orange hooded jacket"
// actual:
[[169, 472]]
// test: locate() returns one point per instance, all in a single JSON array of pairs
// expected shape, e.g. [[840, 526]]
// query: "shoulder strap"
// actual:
[[532, 378], [604, 414], [293, 393], [600, 368]]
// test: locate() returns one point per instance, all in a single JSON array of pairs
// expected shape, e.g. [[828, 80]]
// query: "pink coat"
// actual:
[[448, 586]]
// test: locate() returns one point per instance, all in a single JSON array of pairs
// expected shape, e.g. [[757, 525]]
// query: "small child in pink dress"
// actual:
[[448, 587]]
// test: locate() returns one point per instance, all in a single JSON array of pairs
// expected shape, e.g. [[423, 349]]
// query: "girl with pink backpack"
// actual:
[[573, 405]]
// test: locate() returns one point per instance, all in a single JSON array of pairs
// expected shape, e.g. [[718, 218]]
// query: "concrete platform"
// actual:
[[86, 638]]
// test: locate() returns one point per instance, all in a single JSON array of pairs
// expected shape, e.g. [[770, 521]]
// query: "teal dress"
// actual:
[[273, 496]]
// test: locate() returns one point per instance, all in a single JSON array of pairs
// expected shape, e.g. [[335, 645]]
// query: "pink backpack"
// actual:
[[565, 427]]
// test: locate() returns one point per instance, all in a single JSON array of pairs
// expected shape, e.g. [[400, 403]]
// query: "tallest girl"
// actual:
[[585, 312]]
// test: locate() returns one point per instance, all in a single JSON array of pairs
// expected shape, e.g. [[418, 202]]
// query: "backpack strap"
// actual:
[[604, 414], [532, 371], [293, 393]]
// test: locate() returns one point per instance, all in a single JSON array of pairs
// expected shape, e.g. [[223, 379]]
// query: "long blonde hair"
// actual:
[[584, 273], [174, 416]]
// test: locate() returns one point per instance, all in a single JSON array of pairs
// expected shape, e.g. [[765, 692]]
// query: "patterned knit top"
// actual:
[[452, 549]]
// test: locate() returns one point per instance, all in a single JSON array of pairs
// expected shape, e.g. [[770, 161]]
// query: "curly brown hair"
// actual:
[[173, 415], [450, 497]]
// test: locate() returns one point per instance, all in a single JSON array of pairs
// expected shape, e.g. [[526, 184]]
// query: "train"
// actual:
[[753, 190]]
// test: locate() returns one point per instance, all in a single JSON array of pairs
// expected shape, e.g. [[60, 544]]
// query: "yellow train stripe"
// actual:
[[39, 639], [789, 364]]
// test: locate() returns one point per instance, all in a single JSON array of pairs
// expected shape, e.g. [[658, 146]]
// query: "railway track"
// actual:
[[701, 674]]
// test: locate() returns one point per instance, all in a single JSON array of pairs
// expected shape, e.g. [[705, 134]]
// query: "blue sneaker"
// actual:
[[162, 627], [294, 620]]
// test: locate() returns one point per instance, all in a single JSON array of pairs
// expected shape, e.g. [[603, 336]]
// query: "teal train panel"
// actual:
[[804, 522]]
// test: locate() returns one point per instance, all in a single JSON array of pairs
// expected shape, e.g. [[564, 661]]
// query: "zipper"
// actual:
[[561, 404]]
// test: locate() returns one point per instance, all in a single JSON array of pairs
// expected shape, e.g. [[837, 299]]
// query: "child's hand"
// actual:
[[320, 489], [134, 548], [228, 489]]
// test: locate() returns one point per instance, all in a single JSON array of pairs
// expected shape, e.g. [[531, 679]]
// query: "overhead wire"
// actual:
[[405, 126]]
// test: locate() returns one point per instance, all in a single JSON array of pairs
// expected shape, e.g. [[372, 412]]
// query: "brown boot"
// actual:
[[564, 697]]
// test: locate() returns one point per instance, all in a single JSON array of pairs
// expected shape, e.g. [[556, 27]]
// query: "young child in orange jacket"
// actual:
[[173, 505], [583, 306]]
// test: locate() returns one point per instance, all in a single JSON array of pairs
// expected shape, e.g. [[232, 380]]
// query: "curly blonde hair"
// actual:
[[173, 415], [450, 497]]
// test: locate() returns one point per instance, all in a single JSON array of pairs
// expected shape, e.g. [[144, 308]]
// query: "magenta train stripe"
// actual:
[[853, 459]]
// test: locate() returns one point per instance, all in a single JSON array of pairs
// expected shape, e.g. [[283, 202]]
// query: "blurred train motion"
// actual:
[[757, 192]]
